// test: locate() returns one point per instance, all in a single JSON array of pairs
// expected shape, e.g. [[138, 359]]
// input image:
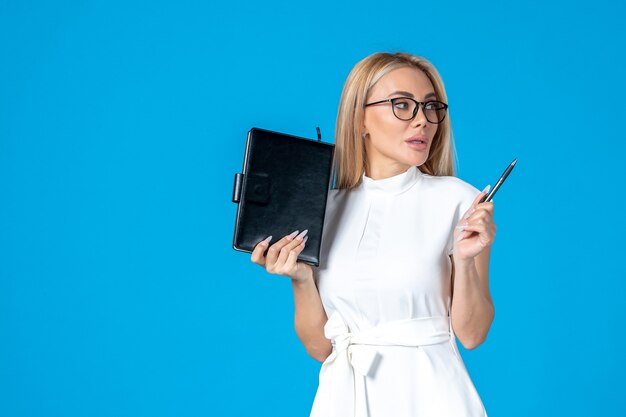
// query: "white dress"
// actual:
[[385, 283]]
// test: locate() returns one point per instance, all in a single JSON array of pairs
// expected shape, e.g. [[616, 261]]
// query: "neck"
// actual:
[[382, 171]]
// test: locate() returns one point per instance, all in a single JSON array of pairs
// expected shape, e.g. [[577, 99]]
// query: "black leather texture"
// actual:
[[284, 188]]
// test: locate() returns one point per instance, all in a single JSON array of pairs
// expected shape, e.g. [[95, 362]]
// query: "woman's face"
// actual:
[[389, 143]]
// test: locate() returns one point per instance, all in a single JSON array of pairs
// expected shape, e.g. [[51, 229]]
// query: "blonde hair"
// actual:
[[350, 157]]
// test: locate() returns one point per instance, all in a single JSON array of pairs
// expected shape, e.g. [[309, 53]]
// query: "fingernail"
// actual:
[[305, 239], [266, 240], [460, 236], [302, 235], [461, 227], [291, 236], [487, 188]]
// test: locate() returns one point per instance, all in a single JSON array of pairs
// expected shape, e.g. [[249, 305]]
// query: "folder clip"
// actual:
[[237, 188], [257, 188]]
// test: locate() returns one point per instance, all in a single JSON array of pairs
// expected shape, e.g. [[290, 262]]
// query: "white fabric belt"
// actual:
[[351, 361]]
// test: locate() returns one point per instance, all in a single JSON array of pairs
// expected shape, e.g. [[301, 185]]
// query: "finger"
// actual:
[[476, 201], [469, 227], [483, 210], [291, 265], [274, 251], [479, 217], [486, 231], [460, 233], [488, 206], [259, 250], [462, 236], [287, 249], [485, 235]]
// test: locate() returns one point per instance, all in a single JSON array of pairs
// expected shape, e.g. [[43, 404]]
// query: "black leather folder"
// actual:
[[283, 188]]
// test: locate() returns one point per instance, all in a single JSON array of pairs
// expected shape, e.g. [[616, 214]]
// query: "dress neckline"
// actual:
[[393, 185]]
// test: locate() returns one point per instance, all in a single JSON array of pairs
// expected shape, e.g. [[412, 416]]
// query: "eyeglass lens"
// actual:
[[406, 109]]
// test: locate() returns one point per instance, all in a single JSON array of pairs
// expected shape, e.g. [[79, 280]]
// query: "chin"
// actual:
[[415, 160]]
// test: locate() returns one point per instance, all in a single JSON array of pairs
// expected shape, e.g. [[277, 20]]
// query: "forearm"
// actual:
[[310, 318], [472, 310]]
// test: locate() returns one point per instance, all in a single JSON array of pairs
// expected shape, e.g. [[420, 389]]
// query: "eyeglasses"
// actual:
[[405, 108]]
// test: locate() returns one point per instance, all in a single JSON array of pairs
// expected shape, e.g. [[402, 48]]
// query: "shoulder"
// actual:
[[339, 210], [450, 188], [338, 202]]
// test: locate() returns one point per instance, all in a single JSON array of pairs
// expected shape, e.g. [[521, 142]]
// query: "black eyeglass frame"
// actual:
[[418, 104]]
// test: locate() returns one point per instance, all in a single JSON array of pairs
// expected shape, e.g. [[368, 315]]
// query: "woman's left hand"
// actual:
[[476, 229]]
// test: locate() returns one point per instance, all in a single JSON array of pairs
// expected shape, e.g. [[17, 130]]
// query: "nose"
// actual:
[[420, 117]]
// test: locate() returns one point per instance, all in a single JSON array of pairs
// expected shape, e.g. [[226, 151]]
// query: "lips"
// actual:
[[418, 139]]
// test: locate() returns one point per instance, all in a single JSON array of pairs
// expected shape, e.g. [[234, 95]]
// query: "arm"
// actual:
[[472, 308], [310, 318]]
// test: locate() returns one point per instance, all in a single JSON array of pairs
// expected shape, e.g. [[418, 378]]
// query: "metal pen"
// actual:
[[506, 173]]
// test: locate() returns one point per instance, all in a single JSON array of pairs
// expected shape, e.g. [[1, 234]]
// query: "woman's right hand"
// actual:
[[282, 256]]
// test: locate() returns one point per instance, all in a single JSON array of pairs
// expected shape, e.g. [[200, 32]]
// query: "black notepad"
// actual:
[[283, 188]]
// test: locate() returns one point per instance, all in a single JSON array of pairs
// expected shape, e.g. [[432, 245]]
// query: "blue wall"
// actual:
[[122, 124]]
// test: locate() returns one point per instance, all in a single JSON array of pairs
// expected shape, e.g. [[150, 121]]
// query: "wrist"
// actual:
[[302, 279], [464, 264]]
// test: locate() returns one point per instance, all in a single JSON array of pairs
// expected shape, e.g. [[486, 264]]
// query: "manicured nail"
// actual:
[[305, 239], [302, 235], [266, 241], [291, 236], [487, 188]]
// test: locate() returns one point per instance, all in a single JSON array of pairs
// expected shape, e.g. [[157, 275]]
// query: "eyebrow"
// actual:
[[407, 94]]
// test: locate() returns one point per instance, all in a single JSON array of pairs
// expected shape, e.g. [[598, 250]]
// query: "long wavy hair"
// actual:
[[350, 155]]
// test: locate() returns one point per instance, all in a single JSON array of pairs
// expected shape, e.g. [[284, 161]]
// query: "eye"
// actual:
[[433, 105], [401, 104]]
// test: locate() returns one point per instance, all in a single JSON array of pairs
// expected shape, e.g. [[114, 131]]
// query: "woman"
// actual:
[[405, 255]]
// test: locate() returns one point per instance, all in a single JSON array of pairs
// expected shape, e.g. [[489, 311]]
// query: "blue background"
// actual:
[[122, 124]]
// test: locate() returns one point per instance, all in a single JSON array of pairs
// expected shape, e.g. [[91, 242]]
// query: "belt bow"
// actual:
[[355, 357]]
